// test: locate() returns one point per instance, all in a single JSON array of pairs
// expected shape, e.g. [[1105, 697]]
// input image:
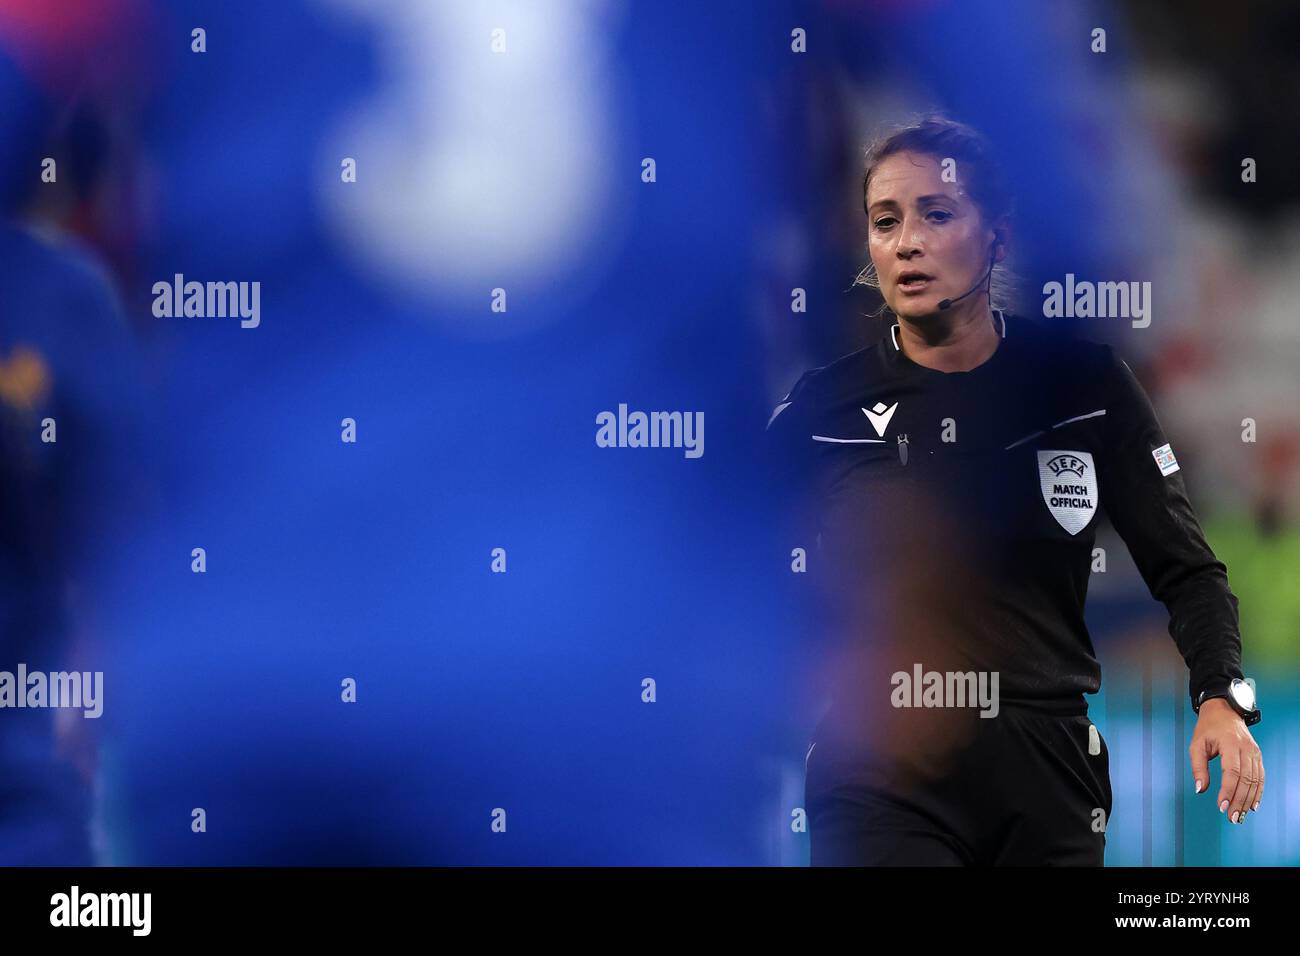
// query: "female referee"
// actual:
[[954, 475]]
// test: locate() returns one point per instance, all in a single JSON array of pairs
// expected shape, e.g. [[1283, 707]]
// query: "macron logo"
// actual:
[[879, 416]]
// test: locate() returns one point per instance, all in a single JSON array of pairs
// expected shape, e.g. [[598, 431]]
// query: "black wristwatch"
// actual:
[[1239, 695]]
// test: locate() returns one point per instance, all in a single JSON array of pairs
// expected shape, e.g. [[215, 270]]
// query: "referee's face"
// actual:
[[927, 238]]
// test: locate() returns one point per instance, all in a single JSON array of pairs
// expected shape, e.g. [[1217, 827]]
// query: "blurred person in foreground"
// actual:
[[947, 485], [67, 387]]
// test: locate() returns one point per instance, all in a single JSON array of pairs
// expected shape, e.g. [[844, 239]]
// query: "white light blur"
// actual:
[[478, 169]]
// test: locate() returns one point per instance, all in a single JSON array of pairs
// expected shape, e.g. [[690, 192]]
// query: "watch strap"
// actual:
[[1251, 717]]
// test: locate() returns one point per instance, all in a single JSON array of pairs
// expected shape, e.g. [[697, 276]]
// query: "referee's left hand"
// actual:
[[1221, 732]]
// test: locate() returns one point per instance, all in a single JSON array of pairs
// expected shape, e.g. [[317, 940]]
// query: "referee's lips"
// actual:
[[913, 282]]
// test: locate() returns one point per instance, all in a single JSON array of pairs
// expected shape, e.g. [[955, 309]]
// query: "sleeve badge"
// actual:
[[1165, 460]]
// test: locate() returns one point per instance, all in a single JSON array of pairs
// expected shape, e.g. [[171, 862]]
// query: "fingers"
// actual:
[[1259, 795], [1253, 761], [1232, 789], [1200, 763], [1244, 758], [1252, 794]]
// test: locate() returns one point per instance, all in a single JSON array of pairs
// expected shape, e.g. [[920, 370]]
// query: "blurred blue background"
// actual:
[[522, 170]]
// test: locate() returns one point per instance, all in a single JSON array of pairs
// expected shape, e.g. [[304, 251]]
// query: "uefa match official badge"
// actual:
[[1069, 483]]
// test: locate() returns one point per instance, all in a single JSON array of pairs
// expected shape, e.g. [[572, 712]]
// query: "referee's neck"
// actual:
[[953, 341]]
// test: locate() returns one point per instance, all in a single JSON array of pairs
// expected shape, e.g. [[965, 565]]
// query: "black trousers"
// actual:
[[1018, 789]]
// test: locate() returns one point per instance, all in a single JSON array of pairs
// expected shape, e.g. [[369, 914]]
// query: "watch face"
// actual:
[[1241, 693]]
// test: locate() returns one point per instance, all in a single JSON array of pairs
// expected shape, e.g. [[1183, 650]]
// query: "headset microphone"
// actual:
[[944, 304]]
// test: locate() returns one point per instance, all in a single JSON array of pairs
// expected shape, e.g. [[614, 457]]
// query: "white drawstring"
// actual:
[[893, 335]]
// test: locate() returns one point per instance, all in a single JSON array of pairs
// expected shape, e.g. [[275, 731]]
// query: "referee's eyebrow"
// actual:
[[931, 197]]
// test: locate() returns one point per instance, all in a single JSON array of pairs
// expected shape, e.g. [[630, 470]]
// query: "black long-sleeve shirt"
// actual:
[[953, 515]]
